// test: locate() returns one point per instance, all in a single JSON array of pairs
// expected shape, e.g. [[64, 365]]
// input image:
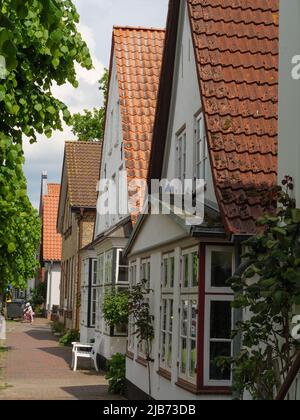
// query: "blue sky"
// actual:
[[97, 20]]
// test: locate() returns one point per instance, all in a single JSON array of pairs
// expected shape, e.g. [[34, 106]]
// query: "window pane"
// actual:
[[195, 269], [193, 332], [186, 271], [171, 316], [184, 319], [169, 356], [95, 263], [219, 350], [164, 315], [221, 268], [172, 271], [183, 355], [163, 352], [166, 264], [220, 320], [193, 360]]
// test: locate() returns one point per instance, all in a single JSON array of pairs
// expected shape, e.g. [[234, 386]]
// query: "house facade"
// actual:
[[133, 84], [75, 221], [51, 245], [216, 120]]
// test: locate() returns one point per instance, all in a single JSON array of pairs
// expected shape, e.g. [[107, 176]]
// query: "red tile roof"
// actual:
[[138, 53], [82, 160], [236, 47], [51, 241]]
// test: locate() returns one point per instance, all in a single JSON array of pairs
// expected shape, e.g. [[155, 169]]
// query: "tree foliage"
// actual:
[[40, 45], [90, 125], [268, 292]]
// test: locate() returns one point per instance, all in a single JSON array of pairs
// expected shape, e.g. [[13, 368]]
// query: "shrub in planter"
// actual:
[[69, 337], [116, 374]]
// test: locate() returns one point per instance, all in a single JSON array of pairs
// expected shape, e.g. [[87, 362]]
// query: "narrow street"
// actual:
[[37, 368]]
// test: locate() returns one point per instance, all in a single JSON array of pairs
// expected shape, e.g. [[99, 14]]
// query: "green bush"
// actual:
[[69, 337], [115, 308], [58, 327], [116, 374]]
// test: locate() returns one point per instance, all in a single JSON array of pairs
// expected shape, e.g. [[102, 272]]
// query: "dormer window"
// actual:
[[201, 153]]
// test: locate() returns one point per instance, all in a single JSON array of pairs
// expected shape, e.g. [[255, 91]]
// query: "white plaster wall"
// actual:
[[156, 230], [185, 105], [112, 156], [53, 286]]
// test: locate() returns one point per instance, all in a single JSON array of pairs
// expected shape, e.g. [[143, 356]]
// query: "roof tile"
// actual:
[[52, 241], [138, 53], [82, 161], [236, 44]]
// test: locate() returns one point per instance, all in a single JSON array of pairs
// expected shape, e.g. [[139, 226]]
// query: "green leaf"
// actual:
[[51, 110], [11, 247], [38, 107]]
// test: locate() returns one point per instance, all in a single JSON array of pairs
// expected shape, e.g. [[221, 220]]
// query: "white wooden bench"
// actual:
[[85, 351]]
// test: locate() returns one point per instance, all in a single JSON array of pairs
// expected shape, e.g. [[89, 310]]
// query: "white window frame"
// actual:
[[94, 293], [201, 149], [208, 259], [107, 254], [132, 282], [189, 294], [142, 350], [168, 257], [167, 295], [181, 156], [208, 300], [185, 252], [168, 330]]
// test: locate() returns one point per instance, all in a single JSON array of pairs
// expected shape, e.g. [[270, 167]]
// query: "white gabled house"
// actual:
[[133, 85], [216, 120]]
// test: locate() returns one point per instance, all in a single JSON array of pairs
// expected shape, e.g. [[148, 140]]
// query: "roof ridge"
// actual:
[[139, 28]]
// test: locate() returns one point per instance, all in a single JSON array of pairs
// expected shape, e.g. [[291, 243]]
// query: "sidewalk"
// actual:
[[37, 368]]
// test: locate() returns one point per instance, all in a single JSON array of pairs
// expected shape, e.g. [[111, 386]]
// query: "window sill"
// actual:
[[129, 355], [164, 374], [141, 361], [193, 389]]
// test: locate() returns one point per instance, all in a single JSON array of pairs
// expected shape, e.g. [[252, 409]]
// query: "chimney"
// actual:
[[44, 189], [289, 93], [44, 183]]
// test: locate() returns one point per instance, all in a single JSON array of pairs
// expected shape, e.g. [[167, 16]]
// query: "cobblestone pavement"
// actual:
[[37, 368]]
